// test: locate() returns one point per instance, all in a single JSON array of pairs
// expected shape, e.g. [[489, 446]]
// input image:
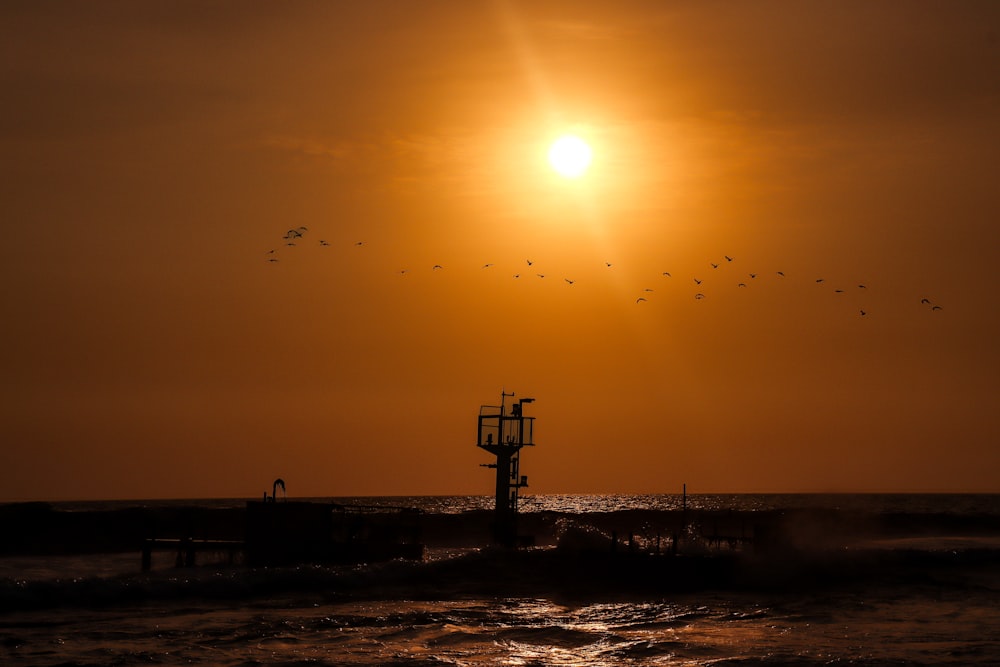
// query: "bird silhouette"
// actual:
[[292, 237]]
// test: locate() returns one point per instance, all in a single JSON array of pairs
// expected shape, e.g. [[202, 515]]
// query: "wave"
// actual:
[[498, 573], [806, 520], [639, 553]]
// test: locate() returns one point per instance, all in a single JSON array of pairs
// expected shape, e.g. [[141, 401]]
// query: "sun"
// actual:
[[570, 156]]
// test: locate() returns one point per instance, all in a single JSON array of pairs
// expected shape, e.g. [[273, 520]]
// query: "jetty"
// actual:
[[283, 532]]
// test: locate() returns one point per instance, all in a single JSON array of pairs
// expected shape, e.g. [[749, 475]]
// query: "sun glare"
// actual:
[[570, 156]]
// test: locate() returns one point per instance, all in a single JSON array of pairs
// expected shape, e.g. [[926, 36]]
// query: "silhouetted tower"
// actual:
[[503, 434]]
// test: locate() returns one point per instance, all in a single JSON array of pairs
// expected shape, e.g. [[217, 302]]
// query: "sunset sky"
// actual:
[[155, 153]]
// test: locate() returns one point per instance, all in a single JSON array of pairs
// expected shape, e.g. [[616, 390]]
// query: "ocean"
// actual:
[[610, 580]]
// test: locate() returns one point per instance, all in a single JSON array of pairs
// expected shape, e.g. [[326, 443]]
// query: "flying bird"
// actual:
[[699, 296], [862, 286], [667, 274], [436, 266], [540, 275], [936, 308], [753, 275], [781, 273], [741, 285], [517, 275], [697, 282], [486, 266], [529, 262], [819, 280], [569, 281], [608, 263], [322, 242], [863, 313], [360, 243], [728, 258], [641, 298], [925, 301], [714, 265]]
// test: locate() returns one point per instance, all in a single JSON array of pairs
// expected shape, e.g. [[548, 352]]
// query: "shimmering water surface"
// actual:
[[586, 503], [99, 609], [918, 628]]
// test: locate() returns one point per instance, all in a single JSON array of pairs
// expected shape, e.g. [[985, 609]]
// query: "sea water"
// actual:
[[100, 609]]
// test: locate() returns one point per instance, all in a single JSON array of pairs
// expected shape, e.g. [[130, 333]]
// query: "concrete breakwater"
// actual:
[[40, 528]]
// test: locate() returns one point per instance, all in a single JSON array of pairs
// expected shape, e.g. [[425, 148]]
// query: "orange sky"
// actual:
[[154, 152]]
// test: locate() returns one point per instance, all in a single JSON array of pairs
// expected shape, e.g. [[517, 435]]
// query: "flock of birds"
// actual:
[[296, 236]]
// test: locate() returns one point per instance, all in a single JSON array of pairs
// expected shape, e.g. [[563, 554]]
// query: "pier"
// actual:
[[281, 532], [186, 549]]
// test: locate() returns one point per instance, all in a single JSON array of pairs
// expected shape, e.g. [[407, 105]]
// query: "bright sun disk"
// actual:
[[570, 156]]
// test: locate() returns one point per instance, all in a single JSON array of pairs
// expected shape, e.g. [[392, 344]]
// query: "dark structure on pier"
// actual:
[[503, 434], [283, 533], [277, 531]]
